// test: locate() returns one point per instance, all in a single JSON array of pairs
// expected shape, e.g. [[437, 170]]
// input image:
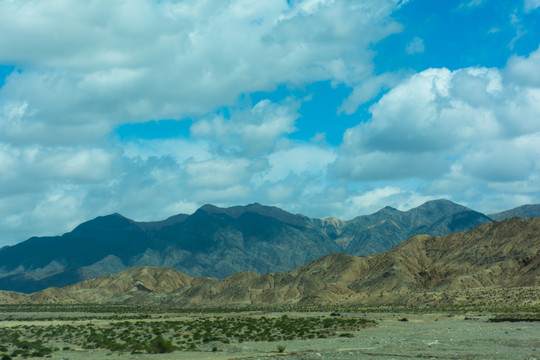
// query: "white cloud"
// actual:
[[525, 70], [128, 61], [367, 90], [378, 165], [222, 197], [422, 114], [304, 159], [34, 168], [504, 160], [217, 173], [415, 46], [250, 131], [470, 133], [280, 193], [8, 159]]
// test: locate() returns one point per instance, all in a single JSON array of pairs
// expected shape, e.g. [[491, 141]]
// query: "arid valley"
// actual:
[[463, 295]]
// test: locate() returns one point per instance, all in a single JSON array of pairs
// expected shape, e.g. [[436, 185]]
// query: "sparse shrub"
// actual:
[[159, 345], [281, 348]]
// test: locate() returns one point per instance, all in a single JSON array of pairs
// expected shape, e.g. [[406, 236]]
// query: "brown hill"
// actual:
[[489, 260], [248, 288], [143, 279], [495, 256]]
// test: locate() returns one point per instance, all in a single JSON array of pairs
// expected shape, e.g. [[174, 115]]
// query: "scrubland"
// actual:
[[90, 331]]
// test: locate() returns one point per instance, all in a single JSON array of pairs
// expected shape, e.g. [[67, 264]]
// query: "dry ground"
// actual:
[[423, 336]]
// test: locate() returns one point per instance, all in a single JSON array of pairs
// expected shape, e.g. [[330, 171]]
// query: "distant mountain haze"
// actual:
[[219, 242]]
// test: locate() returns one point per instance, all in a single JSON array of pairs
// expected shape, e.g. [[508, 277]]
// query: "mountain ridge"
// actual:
[[491, 259], [524, 211], [217, 242]]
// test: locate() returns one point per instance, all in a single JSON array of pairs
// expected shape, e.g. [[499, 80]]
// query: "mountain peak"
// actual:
[[107, 221], [115, 214], [388, 209], [441, 205], [209, 208]]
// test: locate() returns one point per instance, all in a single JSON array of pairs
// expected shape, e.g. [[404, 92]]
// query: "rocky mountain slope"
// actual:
[[211, 242], [218, 242], [524, 212], [381, 231], [494, 256]]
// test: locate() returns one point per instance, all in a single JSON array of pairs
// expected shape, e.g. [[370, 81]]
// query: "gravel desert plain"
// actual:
[[362, 332]]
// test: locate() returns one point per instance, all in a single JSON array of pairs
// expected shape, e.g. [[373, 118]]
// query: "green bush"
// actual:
[[159, 345]]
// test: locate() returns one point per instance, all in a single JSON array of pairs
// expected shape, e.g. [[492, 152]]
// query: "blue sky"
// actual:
[[321, 107]]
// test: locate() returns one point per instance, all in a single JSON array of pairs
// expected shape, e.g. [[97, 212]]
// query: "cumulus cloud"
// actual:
[[250, 131], [525, 70], [367, 90], [427, 112], [35, 167], [378, 165], [128, 61], [303, 159], [504, 160], [217, 174], [461, 131]]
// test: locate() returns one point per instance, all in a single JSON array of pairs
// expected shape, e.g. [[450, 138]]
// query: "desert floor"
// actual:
[[422, 336]]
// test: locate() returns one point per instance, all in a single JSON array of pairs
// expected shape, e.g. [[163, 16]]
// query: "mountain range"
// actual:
[[218, 242], [498, 261]]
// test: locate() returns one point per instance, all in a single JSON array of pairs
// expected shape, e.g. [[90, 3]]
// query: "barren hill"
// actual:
[[495, 256], [141, 279]]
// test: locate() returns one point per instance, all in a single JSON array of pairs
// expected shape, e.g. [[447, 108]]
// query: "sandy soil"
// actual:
[[426, 336]]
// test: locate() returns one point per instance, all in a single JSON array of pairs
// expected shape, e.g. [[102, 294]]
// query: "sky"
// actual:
[[320, 107]]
